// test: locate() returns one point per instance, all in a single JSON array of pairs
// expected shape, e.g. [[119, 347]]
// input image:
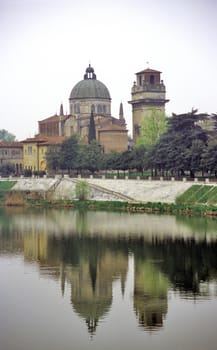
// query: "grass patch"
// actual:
[[186, 196], [150, 207], [5, 186], [199, 194], [212, 196]]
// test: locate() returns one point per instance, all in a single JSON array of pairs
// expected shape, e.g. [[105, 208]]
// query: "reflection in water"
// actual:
[[90, 267], [89, 252], [150, 294]]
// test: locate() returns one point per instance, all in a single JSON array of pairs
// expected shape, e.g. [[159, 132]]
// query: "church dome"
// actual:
[[90, 87]]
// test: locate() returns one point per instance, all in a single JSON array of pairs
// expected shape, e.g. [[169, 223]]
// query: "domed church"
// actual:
[[89, 96]]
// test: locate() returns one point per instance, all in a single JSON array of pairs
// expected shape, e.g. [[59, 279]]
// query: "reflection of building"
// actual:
[[36, 248], [150, 295], [91, 284], [148, 92], [88, 261]]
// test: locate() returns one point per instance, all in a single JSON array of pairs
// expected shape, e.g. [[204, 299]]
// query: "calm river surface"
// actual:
[[103, 280]]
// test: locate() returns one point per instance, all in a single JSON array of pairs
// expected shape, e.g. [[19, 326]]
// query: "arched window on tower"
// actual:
[[151, 79]]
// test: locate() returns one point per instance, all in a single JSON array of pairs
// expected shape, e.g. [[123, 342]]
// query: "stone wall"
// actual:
[[107, 189]]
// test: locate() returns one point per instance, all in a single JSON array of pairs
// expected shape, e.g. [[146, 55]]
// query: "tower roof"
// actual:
[[149, 70]]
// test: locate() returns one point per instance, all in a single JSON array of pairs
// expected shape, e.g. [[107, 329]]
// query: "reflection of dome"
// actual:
[[90, 87], [92, 310]]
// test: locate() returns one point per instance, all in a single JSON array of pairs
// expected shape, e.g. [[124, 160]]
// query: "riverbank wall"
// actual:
[[106, 189]]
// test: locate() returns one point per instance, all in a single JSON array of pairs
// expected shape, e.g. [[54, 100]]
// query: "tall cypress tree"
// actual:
[[92, 129]]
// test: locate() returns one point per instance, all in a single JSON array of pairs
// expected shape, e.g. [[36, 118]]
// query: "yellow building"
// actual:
[[34, 151]]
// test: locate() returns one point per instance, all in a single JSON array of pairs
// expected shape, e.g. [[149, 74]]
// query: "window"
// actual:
[[77, 108], [29, 150], [99, 109], [151, 79]]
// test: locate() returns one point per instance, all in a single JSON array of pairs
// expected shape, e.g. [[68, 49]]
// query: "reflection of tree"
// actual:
[[150, 294], [201, 226], [81, 222], [186, 262]]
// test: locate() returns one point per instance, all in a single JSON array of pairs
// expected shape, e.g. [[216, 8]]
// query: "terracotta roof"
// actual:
[[45, 139], [149, 70], [112, 127], [54, 118], [110, 121], [55, 140], [15, 144]]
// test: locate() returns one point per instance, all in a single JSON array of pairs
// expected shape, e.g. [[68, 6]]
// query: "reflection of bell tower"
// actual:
[[148, 92], [150, 295]]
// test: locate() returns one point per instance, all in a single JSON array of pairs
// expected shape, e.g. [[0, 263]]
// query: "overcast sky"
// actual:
[[46, 45]]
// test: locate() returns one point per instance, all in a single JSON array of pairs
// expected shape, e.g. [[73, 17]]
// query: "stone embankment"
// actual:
[[106, 189]]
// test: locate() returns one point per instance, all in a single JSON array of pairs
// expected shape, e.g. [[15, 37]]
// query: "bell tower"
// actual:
[[148, 92]]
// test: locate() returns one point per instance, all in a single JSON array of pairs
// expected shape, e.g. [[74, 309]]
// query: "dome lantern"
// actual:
[[90, 73]]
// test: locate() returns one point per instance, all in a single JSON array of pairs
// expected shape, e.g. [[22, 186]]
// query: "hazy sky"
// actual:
[[46, 45]]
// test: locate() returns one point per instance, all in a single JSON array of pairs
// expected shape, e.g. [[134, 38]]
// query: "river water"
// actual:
[[101, 280]]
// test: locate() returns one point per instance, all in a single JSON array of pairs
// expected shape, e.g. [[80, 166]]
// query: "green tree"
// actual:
[[209, 157], [139, 158], [53, 158], [90, 157], [69, 153], [6, 136], [125, 160], [82, 190], [179, 149], [112, 161], [193, 156], [92, 129], [152, 127], [7, 169]]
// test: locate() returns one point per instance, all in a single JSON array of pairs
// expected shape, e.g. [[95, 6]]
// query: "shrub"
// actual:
[[82, 190], [39, 173], [7, 169], [14, 198], [27, 172]]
